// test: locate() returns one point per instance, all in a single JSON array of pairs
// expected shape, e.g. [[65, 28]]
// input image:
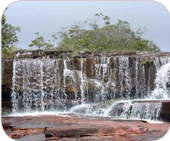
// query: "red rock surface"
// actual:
[[73, 128]]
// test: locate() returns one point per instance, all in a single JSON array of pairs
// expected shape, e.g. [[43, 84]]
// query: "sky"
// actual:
[[48, 17]]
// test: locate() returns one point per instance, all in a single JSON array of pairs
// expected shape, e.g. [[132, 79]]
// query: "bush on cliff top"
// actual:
[[90, 36], [109, 37]]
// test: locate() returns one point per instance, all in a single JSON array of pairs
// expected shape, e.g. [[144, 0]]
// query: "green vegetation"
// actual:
[[128, 115], [40, 42], [9, 52], [69, 54], [109, 102], [109, 37], [147, 61], [88, 35], [4, 113], [8, 38]]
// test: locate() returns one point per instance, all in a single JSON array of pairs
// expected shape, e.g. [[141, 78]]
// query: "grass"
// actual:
[[4, 112], [110, 102]]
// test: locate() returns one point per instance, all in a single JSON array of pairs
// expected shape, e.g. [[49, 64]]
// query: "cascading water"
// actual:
[[124, 75], [148, 111], [134, 110], [162, 83], [118, 109], [85, 85]]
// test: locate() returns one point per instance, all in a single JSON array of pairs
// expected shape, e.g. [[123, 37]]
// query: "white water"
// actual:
[[148, 111], [162, 80], [44, 84], [83, 109], [63, 114]]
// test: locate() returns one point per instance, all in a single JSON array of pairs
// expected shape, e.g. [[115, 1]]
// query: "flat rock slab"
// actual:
[[73, 128], [93, 130]]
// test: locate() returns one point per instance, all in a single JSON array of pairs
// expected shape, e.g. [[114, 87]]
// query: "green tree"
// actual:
[[107, 20], [40, 42], [9, 34], [8, 38], [3, 19], [109, 37], [95, 20]]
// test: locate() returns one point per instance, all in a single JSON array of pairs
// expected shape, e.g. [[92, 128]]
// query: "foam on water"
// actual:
[[162, 81], [83, 108], [62, 114]]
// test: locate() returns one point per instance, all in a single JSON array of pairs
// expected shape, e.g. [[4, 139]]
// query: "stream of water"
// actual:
[[107, 86]]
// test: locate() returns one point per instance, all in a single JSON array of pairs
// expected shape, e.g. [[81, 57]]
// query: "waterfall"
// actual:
[[34, 85], [124, 76], [82, 84], [75, 84], [134, 110], [118, 109], [162, 83], [148, 111]]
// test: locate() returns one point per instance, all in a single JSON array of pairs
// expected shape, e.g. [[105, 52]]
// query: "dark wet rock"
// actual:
[[85, 52], [165, 112], [70, 131], [7, 74], [41, 53], [75, 64]]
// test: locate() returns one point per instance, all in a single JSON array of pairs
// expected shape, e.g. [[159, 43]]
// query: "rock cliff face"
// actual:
[[47, 83], [7, 75]]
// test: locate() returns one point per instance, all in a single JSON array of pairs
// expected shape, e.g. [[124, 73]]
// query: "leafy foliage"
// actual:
[[8, 38], [109, 37], [40, 42], [4, 112]]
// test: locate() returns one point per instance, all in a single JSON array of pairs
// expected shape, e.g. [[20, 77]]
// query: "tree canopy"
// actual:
[[108, 37], [40, 42], [88, 35], [9, 37]]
